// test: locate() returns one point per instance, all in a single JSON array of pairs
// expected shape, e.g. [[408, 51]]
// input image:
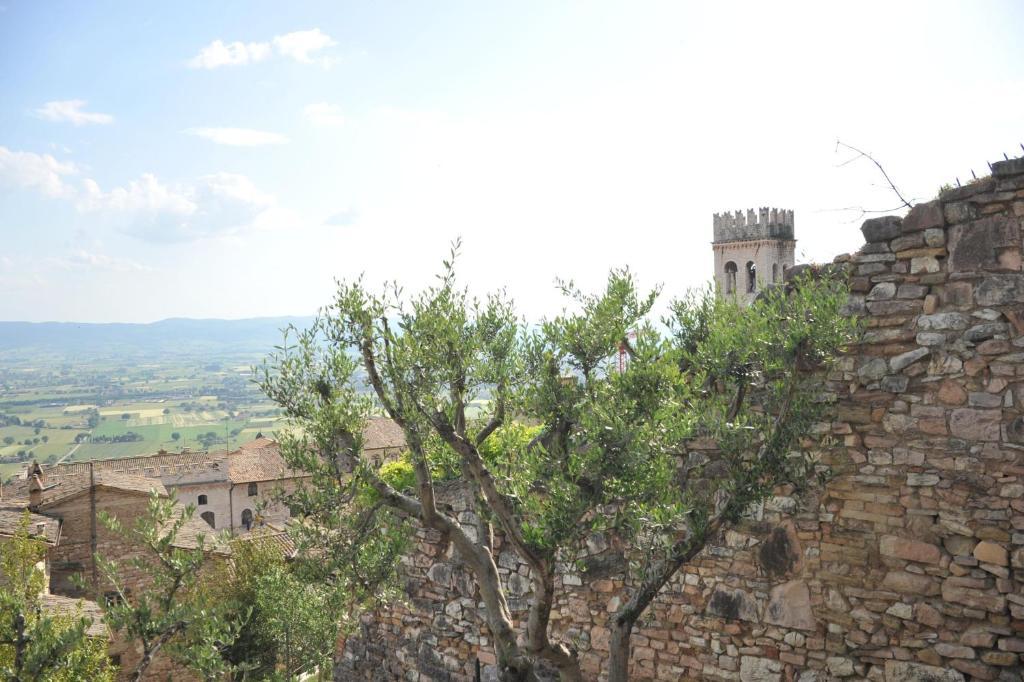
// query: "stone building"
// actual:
[[907, 565], [66, 515], [752, 249]]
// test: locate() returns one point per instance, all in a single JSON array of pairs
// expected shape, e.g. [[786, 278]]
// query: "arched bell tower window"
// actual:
[[751, 277], [730, 278]]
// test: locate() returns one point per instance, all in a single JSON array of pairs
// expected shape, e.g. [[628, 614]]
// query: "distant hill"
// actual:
[[167, 337]]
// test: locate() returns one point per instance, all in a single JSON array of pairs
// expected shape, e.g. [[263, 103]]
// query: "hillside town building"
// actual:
[[232, 491]]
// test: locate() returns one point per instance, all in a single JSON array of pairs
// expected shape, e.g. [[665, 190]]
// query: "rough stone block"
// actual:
[[975, 424], [760, 669], [943, 321], [882, 292], [790, 606], [905, 671], [977, 245], [991, 553], [881, 229], [904, 360], [732, 605], [909, 583], [923, 217], [910, 550]]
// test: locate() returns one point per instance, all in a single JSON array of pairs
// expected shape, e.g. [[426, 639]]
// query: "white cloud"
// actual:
[[238, 137], [87, 260], [299, 45], [324, 114], [218, 54], [70, 111], [214, 205], [42, 172], [302, 46]]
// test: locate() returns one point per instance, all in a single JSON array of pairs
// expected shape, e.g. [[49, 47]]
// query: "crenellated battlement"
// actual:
[[764, 223]]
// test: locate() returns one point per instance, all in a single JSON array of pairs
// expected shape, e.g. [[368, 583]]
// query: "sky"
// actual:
[[233, 159]]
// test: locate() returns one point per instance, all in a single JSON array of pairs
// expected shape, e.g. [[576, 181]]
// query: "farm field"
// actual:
[[53, 411]]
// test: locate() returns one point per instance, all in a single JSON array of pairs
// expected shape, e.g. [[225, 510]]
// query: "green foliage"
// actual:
[[292, 627], [170, 613], [36, 646], [399, 474], [346, 537]]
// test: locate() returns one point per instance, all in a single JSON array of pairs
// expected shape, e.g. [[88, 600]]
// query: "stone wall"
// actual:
[[909, 565]]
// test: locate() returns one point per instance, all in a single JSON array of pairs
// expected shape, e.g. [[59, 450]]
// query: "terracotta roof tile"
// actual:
[[39, 526], [66, 606], [381, 433]]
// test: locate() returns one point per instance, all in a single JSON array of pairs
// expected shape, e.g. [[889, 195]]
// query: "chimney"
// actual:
[[35, 486]]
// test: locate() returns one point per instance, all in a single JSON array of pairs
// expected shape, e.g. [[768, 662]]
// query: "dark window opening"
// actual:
[[209, 518], [247, 518], [202, 499], [252, 490], [751, 277], [730, 277]]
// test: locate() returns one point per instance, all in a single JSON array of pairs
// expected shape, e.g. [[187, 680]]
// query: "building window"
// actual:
[[730, 278], [775, 272], [252, 490], [247, 518], [202, 499], [112, 598], [208, 517], [751, 277]]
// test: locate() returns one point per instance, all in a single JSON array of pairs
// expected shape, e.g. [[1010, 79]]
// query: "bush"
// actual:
[[399, 473]]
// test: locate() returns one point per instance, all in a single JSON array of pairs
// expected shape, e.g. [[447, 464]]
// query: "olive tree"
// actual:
[[609, 446]]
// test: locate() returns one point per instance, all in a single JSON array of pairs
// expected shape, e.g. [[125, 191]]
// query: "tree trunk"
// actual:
[[619, 650]]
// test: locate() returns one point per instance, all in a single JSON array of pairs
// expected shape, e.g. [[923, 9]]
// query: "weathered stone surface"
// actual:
[[980, 332], [882, 291], [915, 479], [935, 236], [906, 359], [923, 217], [894, 383], [839, 667], [942, 321], [911, 550], [1008, 168], [732, 605], [873, 369], [924, 265], [905, 671], [881, 229], [954, 650], [1000, 290], [760, 669], [975, 424], [973, 597], [909, 583], [991, 553], [977, 244], [790, 606]]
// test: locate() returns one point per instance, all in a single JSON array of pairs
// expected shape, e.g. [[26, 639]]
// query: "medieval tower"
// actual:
[[752, 250]]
